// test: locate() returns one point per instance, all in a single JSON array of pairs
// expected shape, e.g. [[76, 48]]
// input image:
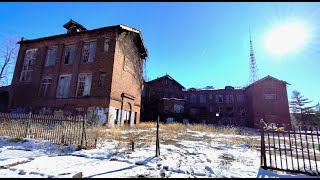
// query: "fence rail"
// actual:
[[295, 150], [65, 130]]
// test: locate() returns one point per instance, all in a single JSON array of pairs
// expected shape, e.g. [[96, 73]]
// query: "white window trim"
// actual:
[[29, 66], [84, 74], [46, 85]]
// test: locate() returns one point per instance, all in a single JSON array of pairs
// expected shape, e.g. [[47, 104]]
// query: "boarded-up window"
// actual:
[[202, 98], [45, 86], [63, 86], [51, 56], [69, 54], [89, 51], [240, 98], [84, 84], [269, 96], [193, 98], [27, 67], [128, 65]]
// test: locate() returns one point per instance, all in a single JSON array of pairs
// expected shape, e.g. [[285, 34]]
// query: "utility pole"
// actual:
[[157, 139]]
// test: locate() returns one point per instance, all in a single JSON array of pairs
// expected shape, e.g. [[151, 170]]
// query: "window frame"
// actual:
[[78, 85], [51, 61]]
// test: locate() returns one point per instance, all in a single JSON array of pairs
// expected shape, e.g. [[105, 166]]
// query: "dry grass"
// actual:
[[210, 129]]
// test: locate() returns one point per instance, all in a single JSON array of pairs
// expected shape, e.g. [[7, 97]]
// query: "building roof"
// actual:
[[267, 77], [168, 77], [144, 52]]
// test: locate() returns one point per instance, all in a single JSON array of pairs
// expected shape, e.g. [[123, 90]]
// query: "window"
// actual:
[[242, 111], [269, 96], [202, 98], [210, 108], [89, 51], [45, 86], [51, 56], [186, 97], [240, 98], [229, 111], [102, 79], [84, 84], [229, 98], [193, 98], [219, 98], [166, 109], [219, 111], [210, 96], [69, 53], [27, 67], [63, 86], [106, 44]]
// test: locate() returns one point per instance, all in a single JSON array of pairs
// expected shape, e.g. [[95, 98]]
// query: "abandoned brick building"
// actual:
[[82, 69], [264, 99]]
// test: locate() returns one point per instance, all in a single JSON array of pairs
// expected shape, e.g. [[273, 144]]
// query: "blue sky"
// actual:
[[198, 44]]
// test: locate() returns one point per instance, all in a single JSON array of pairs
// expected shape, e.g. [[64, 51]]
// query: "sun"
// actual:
[[286, 38]]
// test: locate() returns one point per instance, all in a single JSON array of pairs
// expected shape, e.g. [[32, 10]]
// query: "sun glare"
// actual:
[[286, 38]]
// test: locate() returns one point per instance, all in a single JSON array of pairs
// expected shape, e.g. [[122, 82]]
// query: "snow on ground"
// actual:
[[181, 158]]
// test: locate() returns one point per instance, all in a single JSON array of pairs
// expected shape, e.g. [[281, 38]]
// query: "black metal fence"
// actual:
[[64, 130], [295, 150]]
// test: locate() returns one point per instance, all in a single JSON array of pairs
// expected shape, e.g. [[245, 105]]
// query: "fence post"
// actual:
[[27, 125], [83, 130], [157, 139], [263, 160]]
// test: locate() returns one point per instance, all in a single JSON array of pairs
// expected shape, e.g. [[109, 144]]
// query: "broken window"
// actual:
[[27, 67], [89, 51], [240, 98], [219, 98], [84, 84], [193, 98], [229, 98], [106, 44], [69, 53], [219, 111], [102, 79], [229, 111], [63, 86], [45, 86], [202, 98]]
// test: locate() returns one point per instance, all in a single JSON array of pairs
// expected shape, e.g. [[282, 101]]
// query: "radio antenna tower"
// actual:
[[253, 65]]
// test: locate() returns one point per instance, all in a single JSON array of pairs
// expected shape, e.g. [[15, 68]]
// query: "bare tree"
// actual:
[[8, 56]]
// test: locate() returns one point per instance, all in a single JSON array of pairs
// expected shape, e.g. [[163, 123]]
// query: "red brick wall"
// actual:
[[260, 108], [118, 81]]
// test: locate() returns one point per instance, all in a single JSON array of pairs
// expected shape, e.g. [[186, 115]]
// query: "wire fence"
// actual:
[[295, 150], [65, 130]]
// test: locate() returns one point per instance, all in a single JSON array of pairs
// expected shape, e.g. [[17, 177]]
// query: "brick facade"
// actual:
[[113, 88], [265, 99]]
